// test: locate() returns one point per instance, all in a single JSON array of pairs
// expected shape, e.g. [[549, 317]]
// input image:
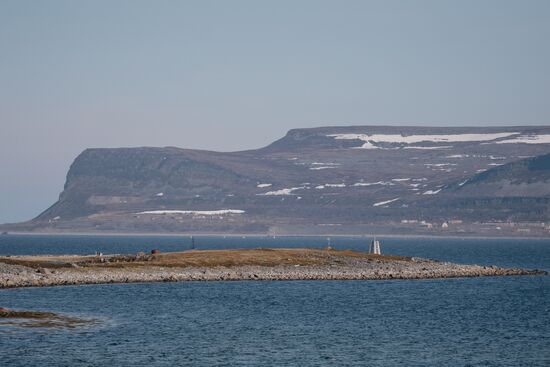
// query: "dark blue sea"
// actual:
[[500, 321]]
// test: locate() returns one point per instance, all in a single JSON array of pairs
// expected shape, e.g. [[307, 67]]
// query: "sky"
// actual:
[[233, 75]]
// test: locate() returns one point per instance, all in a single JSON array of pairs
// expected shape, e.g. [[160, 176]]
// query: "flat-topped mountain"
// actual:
[[357, 179]]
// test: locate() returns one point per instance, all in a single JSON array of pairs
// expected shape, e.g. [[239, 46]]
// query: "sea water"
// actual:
[[491, 321]]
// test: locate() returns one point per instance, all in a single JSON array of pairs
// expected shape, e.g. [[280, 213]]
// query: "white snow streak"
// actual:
[[320, 168], [282, 191], [431, 192], [429, 148], [528, 139], [385, 202], [440, 164], [382, 183], [412, 139], [195, 212]]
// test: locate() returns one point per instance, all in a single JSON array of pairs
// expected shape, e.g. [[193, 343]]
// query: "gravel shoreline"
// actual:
[[336, 268]]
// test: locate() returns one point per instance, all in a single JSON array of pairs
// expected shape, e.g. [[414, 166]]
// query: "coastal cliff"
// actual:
[[330, 180]]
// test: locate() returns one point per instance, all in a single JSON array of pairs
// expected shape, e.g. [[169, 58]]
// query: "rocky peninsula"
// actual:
[[241, 264]]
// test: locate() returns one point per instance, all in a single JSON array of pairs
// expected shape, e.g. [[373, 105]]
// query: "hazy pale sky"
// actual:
[[231, 75]]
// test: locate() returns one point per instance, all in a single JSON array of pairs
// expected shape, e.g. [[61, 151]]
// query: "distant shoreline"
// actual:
[[187, 234]]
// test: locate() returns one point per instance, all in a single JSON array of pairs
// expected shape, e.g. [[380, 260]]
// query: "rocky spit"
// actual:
[[33, 319], [333, 267]]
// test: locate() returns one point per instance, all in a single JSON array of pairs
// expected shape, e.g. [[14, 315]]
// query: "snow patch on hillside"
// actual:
[[320, 168], [382, 183], [324, 164], [282, 191], [263, 185], [431, 192], [413, 139], [321, 187], [400, 179], [428, 148], [385, 202], [527, 139], [440, 164], [194, 212]]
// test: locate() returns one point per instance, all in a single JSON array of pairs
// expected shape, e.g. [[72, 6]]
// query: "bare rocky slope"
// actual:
[[353, 180]]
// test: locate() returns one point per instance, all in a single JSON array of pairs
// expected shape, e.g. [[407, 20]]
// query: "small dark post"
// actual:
[[192, 243]]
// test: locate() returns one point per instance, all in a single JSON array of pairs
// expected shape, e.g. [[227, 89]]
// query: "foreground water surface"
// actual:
[[449, 322]]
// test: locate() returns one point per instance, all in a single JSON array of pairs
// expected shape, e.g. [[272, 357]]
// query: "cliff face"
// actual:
[[322, 179]]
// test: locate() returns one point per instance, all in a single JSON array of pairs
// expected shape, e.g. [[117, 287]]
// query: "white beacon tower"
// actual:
[[374, 247]]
